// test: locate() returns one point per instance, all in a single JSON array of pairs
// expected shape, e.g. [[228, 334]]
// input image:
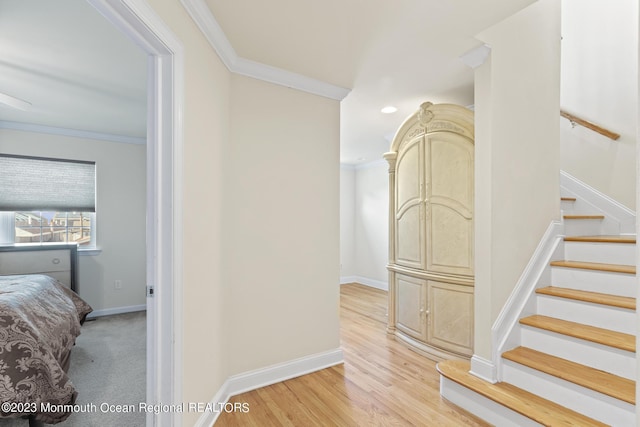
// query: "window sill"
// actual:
[[89, 252], [81, 251]]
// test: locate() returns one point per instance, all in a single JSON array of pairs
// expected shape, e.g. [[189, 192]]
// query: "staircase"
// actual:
[[575, 363]]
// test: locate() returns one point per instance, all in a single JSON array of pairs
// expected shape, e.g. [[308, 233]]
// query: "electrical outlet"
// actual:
[[117, 284]]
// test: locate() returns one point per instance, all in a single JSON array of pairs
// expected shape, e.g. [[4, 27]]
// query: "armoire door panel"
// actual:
[[409, 242], [450, 169], [410, 227], [450, 316], [449, 241], [410, 306], [449, 224], [409, 177]]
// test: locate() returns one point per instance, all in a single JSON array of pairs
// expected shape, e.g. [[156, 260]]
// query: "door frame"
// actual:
[[165, 94]]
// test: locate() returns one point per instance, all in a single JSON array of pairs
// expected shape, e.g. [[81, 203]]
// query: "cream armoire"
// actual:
[[431, 260]]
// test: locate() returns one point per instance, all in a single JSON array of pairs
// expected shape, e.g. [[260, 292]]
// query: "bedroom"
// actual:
[[84, 121]]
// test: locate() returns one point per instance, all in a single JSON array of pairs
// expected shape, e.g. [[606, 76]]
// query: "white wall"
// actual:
[[120, 215], [372, 223], [281, 225], [599, 84], [364, 234], [347, 223], [517, 154]]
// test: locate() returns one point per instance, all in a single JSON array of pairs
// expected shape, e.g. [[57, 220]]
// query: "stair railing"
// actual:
[[578, 121]]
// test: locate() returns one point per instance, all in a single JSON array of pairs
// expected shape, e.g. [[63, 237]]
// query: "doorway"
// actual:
[[164, 173]]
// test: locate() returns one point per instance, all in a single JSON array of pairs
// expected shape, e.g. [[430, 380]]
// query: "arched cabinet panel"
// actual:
[[431, 248], [449, 223], [409, 213], [410, 306]]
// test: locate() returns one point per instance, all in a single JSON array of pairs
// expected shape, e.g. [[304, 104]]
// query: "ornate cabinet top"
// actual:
[[431, 118]]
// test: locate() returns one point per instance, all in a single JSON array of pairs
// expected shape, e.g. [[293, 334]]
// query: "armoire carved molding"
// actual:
[[431, 241]]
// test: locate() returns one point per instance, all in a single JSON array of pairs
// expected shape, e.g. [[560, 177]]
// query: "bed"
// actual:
[[40, 319]]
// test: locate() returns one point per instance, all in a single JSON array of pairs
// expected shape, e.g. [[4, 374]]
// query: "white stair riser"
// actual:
[[602, 316], [482, 407], [610, 253], [583, 227], [585, 401], [594, 281], [568, 207], [578, 207], [608, 359], [590, 227]]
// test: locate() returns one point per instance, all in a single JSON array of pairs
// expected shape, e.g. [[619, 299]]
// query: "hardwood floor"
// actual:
[[381, 383]]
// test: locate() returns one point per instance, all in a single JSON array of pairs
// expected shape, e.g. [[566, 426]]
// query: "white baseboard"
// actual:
[[348, 279], [116, 310], [483, 369], [263, 377], [208, 418], [625, 217], [503, 328], [378, 284]]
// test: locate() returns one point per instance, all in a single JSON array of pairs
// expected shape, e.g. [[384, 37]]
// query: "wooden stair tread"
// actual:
[[585, 376], [538, 409], [594, 334], [586, 296], [568, 199], [601, 239], [572, 216], [613, 268]]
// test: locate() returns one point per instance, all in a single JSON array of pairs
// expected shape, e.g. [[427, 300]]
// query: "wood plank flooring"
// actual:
[[585, 376], [602, 239], [602, 336], [538, 409], [592, 297], [381, 383], [613, 268], [583, 216]]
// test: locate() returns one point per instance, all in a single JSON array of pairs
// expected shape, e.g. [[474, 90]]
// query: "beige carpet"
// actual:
[[108, 366]]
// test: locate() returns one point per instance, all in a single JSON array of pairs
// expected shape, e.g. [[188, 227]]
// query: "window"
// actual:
[[54, 227], [45, 200]]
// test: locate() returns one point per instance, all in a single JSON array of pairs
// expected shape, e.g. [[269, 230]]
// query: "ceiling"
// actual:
[[78, 72], [73, 66]]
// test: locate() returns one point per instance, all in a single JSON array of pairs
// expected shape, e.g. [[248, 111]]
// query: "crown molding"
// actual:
[[476, 56], [204, 19], [76, 133]]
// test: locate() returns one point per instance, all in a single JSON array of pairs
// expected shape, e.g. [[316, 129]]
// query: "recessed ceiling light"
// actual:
[[389, 109]]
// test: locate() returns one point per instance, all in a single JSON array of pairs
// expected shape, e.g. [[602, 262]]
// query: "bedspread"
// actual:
[[39, 321]]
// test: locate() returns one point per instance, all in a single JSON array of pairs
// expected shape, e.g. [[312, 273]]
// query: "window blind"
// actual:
[[45, 184]]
